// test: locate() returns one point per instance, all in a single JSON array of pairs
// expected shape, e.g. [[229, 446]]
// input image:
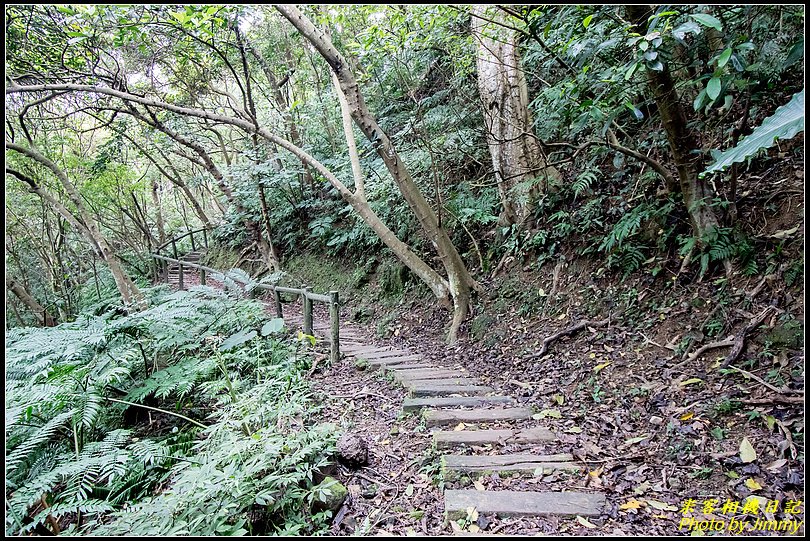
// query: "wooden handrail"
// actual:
[[332, 299], [184, 235]]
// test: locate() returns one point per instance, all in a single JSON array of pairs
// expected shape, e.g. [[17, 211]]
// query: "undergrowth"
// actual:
[[84, 456]]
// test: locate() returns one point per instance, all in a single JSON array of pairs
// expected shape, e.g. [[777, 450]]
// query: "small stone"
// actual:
[[331, 494], [656, 420], [352, 449]]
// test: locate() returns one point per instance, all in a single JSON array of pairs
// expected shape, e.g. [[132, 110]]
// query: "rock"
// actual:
[[352, 449], [656, 420], [330, 494]]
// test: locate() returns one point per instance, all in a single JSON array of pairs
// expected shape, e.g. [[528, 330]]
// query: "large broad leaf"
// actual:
[[785, 123], [237, 339]]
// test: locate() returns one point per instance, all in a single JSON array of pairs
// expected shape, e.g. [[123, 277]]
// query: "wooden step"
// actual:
[[431, 389], [447, 382], [383, 355], [408, 365], [509, 503], [390, 361], [523, 463], [426, 373], [447, 417], [414, 404], [368, 349], [445, 439]]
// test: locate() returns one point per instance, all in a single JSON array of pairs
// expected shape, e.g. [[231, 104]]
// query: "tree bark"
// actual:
[[44, 318], [516, 154], [697, 195]]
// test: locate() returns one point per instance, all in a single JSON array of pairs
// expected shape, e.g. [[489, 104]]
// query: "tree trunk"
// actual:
[[458, 277], [697, 195], [516, 153], [160, 225], [43, 317], [130, 294]]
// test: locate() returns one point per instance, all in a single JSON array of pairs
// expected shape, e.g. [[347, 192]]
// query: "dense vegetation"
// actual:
[[433, 148]]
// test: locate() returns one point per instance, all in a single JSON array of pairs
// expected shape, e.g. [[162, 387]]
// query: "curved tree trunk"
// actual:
[[516, 154], [697, 196], [130, 294], [43, 317], [458, 277]]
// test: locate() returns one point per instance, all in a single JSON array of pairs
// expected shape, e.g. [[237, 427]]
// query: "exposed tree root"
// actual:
[[565, 332], [739, 341]]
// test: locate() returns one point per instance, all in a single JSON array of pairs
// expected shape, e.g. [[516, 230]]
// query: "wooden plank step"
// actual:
[[431, 389], [446, 417], [395, 368], [414, 404], [447, 382], [512, 463], [426, 373], [382, 355], [445, 439], [403, 359], [510, 503], [368, 349]]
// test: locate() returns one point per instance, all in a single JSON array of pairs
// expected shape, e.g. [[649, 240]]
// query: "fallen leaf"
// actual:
[[562, 316], [558, 398], [632, 504], [687, 416], [691, 381], [460, 426], [474, 528], [409, 490], [747, 452], [479, 485], [585, 522], [784, 233], [661, 506], [598, 368], [608, 348], [637, 439], [574, 430], [472, 514], [776, 464], [553, 413], [752, 485]]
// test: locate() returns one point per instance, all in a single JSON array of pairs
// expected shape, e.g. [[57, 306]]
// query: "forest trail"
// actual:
[[474, 430]]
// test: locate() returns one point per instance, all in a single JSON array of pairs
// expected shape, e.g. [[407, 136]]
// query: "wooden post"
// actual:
[[202, 277], [193, 246], [334, 317], [205, 238], [180, 276], [307, 310], [174, 249], [277, 298]]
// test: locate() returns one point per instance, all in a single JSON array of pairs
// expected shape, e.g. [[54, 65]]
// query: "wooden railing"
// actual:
[[305, 292]]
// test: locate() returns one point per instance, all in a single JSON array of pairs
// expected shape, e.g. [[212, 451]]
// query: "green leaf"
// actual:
[[587, 22], [708, 21], [713, 88], [785, 123], [273, 326], [237, 339], [688, 27], [724, 58], [631, 71]]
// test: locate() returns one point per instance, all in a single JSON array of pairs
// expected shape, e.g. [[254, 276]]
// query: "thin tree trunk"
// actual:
[[130, 293], [156, 201], [44, 318], [697, 195], [458, 277]]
